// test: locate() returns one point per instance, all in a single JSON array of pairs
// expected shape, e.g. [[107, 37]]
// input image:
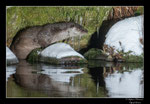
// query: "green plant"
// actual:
[[133, 58], [34, 55], [93, 53]]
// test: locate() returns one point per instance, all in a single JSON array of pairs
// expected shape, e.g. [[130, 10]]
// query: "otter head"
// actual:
[[76, 29]]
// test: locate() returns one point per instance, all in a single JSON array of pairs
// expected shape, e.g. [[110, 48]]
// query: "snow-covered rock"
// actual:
[[61, 52], [10, 57], [128, 32]]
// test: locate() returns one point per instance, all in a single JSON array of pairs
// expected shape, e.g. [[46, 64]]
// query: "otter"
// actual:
[[42, 36]]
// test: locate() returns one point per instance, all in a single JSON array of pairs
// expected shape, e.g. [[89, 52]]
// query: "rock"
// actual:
[[97, 54], [125, 35], [34, 55], [124, 41], [41, 36], [93, 53], [10, 57], [59, 53], [116, 14]]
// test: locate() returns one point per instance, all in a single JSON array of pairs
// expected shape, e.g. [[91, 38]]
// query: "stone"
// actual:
[[10, 57], [58, 53]]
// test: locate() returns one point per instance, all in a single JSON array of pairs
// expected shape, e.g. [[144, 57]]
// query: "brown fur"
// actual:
[[41, 36]]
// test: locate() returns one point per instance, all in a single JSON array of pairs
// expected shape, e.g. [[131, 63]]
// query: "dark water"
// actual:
[[99, 79]]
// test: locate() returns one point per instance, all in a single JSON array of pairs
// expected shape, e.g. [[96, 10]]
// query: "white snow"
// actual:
[[10, 56], [128, 32], [59, 50], [125, 85], [60, 74]]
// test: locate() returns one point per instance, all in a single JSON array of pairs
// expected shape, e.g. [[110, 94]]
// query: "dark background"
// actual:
[[3, 4]]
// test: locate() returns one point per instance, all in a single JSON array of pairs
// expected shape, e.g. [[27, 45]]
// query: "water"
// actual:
[[98, 79]]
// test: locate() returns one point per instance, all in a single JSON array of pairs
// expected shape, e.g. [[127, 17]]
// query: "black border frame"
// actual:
[[4, 100]]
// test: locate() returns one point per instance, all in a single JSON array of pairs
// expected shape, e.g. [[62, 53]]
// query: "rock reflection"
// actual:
[[61, 74], [10, 70], [124, 83], [100, 80], [50, 80]]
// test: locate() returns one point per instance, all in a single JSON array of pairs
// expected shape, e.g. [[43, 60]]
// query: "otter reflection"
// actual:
[[31, 77]]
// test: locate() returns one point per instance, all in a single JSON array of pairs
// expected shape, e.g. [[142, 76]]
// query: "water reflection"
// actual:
[[97, 76], [47, 79], [127, 84], [10, 70], [100, 80], [61, 74]]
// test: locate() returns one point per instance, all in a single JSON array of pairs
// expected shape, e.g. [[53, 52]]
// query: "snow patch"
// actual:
[[10, 56], [59, 50], [128, 32]]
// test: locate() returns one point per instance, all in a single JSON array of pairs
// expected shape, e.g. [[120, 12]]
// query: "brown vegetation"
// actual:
[[122, 12]]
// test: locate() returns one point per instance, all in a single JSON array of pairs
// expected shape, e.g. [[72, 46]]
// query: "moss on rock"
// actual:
[[50, 60], [73, 60], [95, 53], [34, 55], [120, 56], [65, 60], [133, 58]]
